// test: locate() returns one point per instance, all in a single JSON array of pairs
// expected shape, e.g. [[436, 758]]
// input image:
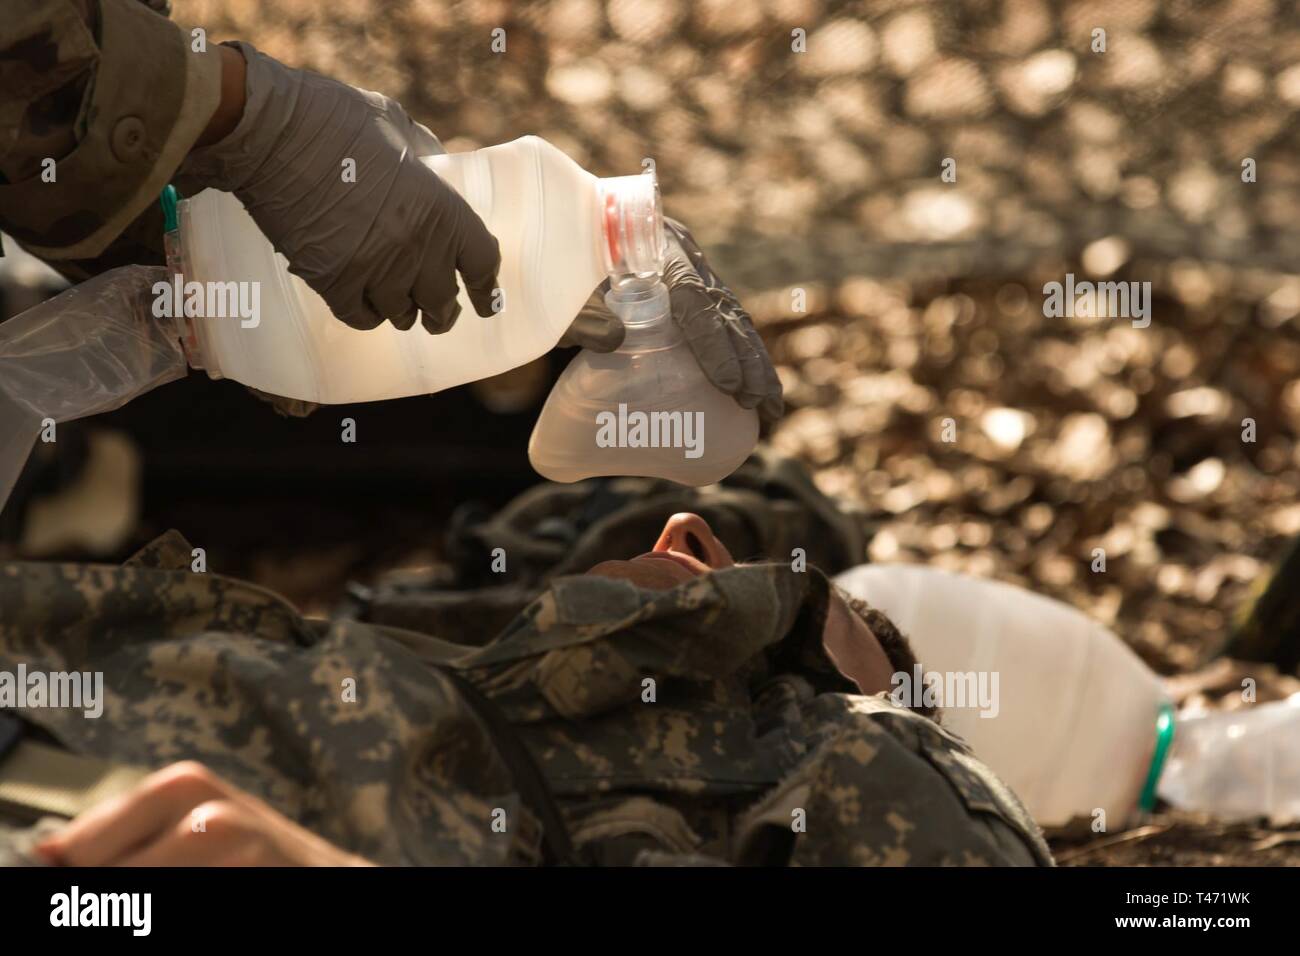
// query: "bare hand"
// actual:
[[184, 815]]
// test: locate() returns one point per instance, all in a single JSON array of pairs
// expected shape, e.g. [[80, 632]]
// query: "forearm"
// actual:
[[231, 106]]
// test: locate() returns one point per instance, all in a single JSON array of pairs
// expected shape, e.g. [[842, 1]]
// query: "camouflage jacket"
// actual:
[[116, 95], [701, 724]]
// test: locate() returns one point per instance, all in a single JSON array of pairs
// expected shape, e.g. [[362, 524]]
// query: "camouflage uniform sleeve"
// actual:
[[112, 92]]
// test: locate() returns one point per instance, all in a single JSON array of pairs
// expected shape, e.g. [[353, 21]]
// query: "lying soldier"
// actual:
[[675, 708]]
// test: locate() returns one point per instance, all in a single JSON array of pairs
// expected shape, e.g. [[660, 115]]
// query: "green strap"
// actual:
[[1164, 738], [533, 787]]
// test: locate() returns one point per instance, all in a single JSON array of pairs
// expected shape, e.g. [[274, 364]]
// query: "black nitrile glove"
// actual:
[[382, 247], [715, 325]]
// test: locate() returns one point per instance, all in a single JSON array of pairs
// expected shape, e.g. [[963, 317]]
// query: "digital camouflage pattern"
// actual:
[[751, 748], [113, 92], [196, 665]]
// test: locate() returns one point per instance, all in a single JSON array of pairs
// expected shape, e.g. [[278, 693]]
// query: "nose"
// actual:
[[688, 533]]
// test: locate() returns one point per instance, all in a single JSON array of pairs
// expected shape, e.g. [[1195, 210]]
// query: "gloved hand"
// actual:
[[716, 326], [379, 248]]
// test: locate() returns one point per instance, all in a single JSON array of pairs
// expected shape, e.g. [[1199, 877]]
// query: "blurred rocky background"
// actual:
[[806, 143]]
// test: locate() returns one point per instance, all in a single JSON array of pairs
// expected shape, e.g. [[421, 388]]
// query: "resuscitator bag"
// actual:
[[1076, 722], [90, 349], [561, 231]]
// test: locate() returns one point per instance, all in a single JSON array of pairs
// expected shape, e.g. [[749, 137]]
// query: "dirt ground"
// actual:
[[1171, 839]]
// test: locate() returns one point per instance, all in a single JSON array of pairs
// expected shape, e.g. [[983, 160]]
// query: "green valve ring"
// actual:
[[1164, 738], [169, 198]]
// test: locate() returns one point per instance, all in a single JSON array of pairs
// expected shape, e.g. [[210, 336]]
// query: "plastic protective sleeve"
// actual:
[[88, 350]]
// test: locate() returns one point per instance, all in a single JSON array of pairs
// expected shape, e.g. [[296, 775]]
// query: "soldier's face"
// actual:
[[687, 548]]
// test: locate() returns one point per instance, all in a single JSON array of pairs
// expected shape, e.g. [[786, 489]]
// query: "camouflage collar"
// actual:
[[710, 625]]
